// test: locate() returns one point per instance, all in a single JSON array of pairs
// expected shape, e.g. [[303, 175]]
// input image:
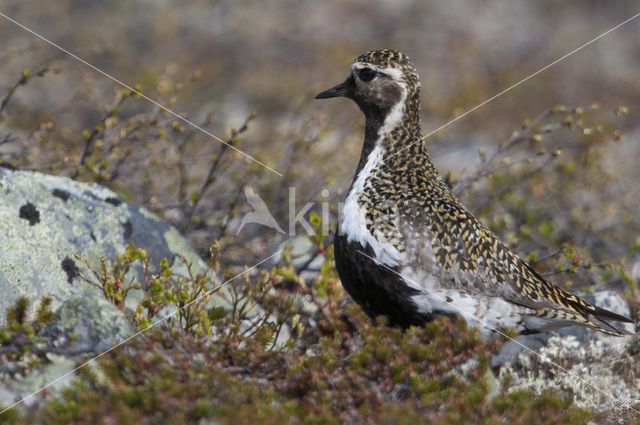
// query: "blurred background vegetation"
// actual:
[[563, 190], [217, 62]]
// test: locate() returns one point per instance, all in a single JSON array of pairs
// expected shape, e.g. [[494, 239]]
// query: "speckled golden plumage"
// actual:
[[407, 204]]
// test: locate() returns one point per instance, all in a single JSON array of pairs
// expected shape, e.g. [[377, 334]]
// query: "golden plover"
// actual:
[[406, 248]]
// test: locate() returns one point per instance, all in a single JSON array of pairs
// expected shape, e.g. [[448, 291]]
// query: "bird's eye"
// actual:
[[367, 74]]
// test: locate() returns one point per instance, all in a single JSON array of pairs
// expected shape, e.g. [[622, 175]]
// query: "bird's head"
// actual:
[[384, 84]]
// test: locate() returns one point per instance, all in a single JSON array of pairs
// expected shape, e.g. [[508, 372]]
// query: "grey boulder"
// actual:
[[44, 221]]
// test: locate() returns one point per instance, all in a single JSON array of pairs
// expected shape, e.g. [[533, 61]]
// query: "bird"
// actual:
[[406, 247]]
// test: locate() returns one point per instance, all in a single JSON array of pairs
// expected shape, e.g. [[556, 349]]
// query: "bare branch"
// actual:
[[26, 74]]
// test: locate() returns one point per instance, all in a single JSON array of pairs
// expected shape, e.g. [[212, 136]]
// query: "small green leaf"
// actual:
[[217, 313]]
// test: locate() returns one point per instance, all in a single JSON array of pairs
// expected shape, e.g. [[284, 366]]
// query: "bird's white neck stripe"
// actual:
[[353, 214]]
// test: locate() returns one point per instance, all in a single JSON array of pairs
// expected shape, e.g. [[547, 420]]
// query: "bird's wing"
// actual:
[[462, 246]]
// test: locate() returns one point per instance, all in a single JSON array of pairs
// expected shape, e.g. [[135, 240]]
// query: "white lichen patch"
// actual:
[[592, 373]]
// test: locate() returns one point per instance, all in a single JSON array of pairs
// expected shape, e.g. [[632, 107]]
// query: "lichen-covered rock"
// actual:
[[44, 221], [609, 300], [595, 375], [598, 370]]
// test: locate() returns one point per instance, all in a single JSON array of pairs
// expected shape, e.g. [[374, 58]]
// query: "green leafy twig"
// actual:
[[90, 136], [19, 344], [216, 159], [24, 78], [189, 295], [535, 130]]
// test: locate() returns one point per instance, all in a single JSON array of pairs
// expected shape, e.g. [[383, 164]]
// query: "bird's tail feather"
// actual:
[[547, 320]]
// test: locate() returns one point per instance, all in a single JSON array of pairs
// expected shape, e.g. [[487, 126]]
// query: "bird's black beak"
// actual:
[[338, 91]]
